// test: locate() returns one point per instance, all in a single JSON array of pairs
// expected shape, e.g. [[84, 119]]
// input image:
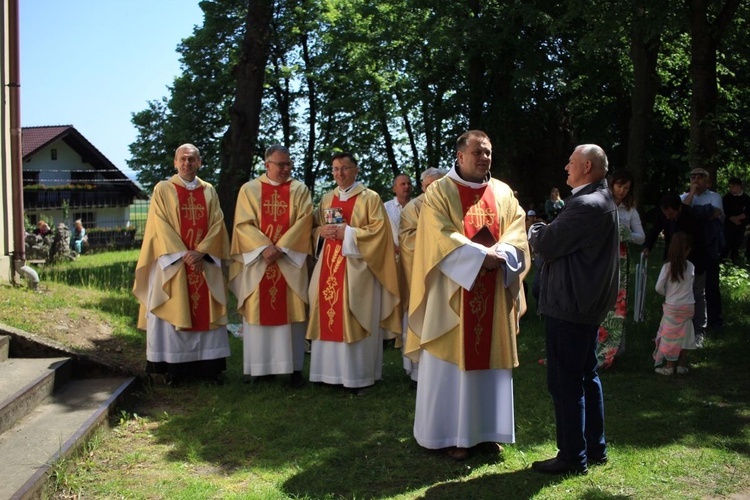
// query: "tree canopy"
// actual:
[[397, 81]]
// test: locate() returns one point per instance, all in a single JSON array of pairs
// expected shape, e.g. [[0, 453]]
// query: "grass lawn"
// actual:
[[669, 437]]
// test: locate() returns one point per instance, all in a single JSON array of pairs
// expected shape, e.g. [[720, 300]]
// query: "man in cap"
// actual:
[[700, 196]]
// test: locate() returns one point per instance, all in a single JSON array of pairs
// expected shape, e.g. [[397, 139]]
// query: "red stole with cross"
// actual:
[[478, 207], [274, 222], [193, 228], [332, 281]]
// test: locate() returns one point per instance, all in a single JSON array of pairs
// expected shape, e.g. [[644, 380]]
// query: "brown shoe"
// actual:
[[457, 454]]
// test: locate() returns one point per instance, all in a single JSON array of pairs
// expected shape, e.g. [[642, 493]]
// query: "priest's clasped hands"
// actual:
[[194, 259], [492, 260], [333, 231]]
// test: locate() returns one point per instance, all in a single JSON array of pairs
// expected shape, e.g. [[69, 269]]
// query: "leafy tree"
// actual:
[[196, 110], [709, 21], [239, 142]]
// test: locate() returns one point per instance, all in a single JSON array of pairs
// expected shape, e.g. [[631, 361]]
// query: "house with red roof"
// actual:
[[65, 178]]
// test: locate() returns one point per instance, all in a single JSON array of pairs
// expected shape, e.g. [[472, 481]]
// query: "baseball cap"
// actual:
[[699, 171], [531, 213]]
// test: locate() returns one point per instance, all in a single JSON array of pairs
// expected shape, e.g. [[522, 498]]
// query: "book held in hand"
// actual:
[[334, 215], [484, 237]]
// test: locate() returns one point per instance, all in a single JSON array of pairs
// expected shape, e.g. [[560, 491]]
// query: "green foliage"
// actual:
[[736, 280], [197, 110], [396, 81]]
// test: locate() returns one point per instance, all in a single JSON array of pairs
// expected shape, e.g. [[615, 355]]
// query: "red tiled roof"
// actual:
[[34, 138]]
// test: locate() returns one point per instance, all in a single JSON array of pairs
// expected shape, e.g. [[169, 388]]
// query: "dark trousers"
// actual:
[[734, 235], [573, 383], [713, 293]]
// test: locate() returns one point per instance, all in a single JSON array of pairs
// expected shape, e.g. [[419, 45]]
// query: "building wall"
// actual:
[[6, 200], [58, 172]]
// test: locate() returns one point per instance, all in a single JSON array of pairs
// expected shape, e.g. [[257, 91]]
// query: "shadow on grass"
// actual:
[[325, 442], [702, 408], [520, 484]]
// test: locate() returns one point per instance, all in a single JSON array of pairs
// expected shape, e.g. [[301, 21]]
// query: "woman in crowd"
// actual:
[[553, 205], [612, 330], [79, 238]]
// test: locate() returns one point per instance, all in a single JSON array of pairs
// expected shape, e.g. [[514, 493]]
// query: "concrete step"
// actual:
[[54, 430], [49, 407], [25, 383]]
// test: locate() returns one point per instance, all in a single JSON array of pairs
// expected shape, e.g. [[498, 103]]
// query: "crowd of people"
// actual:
[[441, 274]]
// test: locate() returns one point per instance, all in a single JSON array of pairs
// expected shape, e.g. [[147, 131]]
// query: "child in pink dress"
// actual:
[[676, 333]]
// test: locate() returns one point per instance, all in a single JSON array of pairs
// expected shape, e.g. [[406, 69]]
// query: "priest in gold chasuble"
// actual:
[[354, 296], [466, 299], [179, 280], [407, 235], [270, 245]]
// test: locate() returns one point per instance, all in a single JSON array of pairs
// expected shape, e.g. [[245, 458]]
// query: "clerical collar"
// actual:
[[345, 194], [453, 174], [189, 185], [273, 182]]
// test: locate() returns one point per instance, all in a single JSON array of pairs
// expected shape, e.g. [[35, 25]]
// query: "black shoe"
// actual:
[[557, 466], [297, 380], [360, 391], [598, 460]]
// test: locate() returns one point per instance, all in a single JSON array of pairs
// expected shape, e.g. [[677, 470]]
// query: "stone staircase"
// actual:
[[49, 407]]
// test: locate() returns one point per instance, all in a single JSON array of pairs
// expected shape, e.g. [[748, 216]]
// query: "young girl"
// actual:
[[676, 333]]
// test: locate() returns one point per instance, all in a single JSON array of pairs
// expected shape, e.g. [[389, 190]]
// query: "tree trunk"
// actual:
[[312, 108], [412, 141], [705, 38], [239, 142], [645, 44], [387, 138]]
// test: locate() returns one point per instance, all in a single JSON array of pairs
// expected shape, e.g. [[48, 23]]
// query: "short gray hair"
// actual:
[[270, 150], [596, 155], [188, 147], [432, 172]]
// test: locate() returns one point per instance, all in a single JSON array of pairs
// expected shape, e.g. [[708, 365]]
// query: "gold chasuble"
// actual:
[[279, 215], [180, 220], [474, 329], [407, 235], [341, 288]]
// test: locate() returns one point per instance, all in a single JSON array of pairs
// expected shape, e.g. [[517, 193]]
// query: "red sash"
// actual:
[[274, 222], [478, 206], [193, 228], [333, 280]]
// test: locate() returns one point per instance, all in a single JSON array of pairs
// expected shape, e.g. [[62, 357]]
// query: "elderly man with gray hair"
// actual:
[[407, 234], [578, 286]]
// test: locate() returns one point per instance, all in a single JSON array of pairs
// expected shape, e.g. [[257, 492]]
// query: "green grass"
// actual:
[[669, 437]]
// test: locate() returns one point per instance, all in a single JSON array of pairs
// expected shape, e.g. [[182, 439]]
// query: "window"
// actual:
[[87, 219], [53, 153]]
